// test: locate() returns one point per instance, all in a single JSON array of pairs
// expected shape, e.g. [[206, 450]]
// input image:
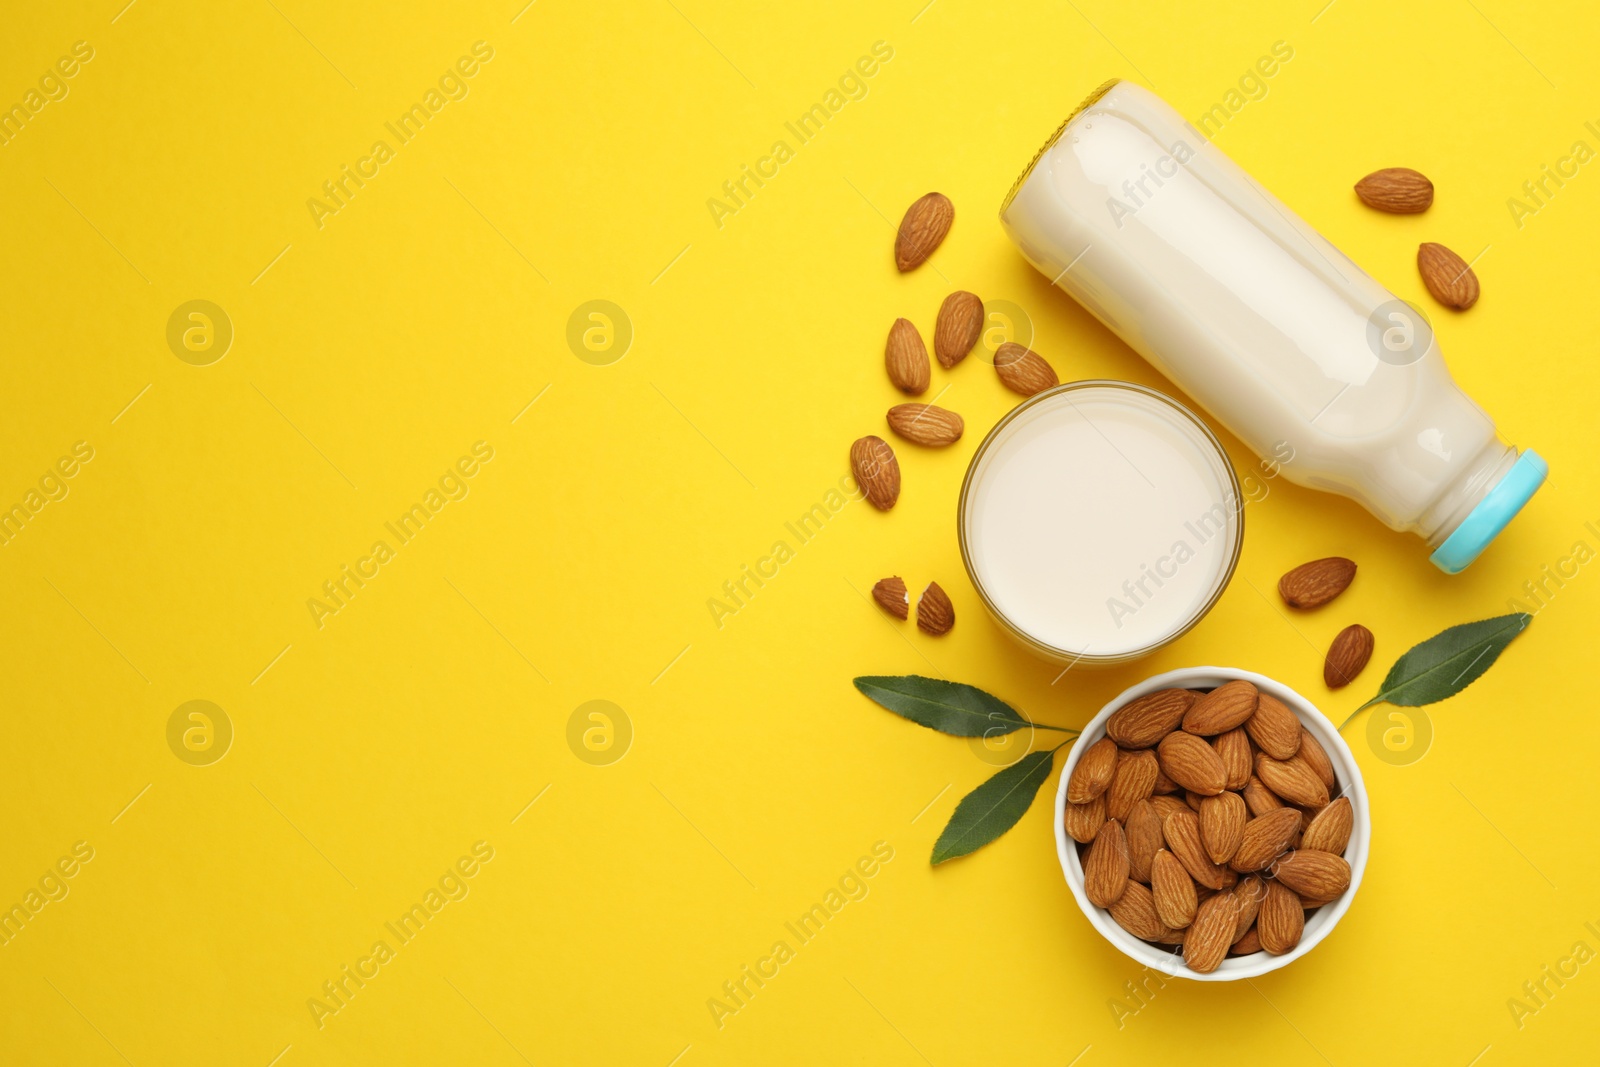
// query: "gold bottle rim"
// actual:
[[1070, 656], [1088, 101]]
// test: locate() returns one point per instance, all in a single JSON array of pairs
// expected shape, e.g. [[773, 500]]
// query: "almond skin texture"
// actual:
[[1135, 912], [1145, 720], [1265, 838], [1182, 831], [1347, 655], [1274, 728], [1172, 889], [1250, 942], [1249, 893], [1093, 773], [1447, 276], [922, 230], [1313, 584], [959, 325], [1397, 190], [1316, 758], [1023, 370], [1133, 782], [1222, 820], [925, 424], [1143, 831], [935, 613], [1233, 748], [1315, 875], [1211, 933], [876, 471], [1105, 866], [905, 357], [890, 593], [1164, 785], [1330, 828], [1083, 821], [1293, 780], [1281, 920], [1226, 706], [1258, 798], [1165, 805], [1192, 763]]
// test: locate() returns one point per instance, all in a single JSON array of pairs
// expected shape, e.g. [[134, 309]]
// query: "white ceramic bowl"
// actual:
[[1318, 924]]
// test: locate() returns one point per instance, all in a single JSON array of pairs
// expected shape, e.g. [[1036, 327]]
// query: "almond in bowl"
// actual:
[[1212, 824]]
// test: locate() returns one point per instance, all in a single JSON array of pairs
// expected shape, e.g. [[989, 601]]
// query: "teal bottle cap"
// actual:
[[1493, 513]]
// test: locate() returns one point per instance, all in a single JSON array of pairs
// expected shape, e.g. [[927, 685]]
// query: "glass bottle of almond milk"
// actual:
[[1289, 344]]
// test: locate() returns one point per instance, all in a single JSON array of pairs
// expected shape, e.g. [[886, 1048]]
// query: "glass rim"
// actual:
[[1068, 656]]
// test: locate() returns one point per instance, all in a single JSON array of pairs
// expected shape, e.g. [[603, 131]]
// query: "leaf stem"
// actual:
[[1043, 726], [1375, 700]]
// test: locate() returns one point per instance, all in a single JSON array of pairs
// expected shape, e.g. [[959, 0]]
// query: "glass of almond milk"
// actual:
[[1098, 521]]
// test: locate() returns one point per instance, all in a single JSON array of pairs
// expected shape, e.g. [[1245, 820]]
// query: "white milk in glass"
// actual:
[[1099, 520]]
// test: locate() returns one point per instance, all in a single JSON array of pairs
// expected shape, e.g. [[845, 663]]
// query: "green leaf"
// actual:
[[993, 808], [1448, 662], [949, 707]]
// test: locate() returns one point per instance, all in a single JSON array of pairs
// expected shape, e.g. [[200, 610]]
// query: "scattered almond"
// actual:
[[1143, 721], [890, 593], [1192, 763], [1226, 706], [935, 613], [1093, 772], [1397, 190], [1105, 866], [1281, 920], [1350, 651], [1022, 370], [1447, 276], [922, 230], [925, 424], [876, 471], [1313, 584], [958, 327], [906, 358]]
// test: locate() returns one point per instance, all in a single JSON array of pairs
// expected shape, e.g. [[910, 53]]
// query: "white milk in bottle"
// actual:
[[1277, 334]]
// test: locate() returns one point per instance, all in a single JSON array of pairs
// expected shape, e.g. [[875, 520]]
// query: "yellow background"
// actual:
[[370, 353]]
